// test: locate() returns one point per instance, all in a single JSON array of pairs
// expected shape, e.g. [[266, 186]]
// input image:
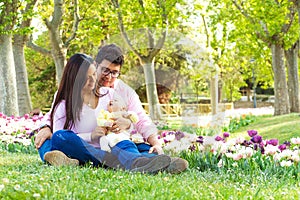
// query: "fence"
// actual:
[[175, 110]]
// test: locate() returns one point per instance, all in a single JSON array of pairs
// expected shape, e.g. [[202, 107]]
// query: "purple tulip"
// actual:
[[287, 143], [273, 142], [164, 134], [200, 139], [192, 148], [179, 135], [256, 139], [226, 134], [255, 146], [218, 138], [262, 150], [26, 116], [171, 132], [252, 133], [282, 147]]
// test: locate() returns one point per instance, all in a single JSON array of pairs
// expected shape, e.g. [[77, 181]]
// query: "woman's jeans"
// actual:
[[75, 147]]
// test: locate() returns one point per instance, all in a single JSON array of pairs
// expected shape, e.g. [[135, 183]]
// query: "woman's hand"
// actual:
[[97, 133], [120, 124], [43, 135]]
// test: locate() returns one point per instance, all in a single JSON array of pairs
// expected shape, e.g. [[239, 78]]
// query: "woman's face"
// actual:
[[91, 78]]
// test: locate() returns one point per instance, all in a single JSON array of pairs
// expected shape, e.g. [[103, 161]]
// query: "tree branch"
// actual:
[[37, 48], [122, 29], [206, 31], [154, 51], [57, 13], [159, 45], [291, 16], [75, 24]]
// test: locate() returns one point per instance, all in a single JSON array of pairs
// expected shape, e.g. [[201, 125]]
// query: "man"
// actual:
[[110, 60]]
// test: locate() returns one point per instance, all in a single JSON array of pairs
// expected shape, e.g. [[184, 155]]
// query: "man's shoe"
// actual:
[[58, 158], [150, 165], [112, 161], [177, 165]]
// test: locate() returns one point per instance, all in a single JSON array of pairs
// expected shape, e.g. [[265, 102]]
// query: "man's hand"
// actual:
[[157, 149], [97, 133], [156, 146], [42, 136]]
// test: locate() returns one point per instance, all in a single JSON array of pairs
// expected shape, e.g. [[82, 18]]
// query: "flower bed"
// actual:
[[224, 153], [204, 152], [16, 132]]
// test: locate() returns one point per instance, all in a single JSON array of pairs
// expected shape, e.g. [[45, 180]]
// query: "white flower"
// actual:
[[285, 163], [295, 140], [220, 163], [271, 150], [17, 187], [295, 156], [36, 195]]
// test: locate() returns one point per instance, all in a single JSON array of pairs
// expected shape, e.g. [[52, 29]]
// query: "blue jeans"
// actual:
[[144, 149], [75, 147]]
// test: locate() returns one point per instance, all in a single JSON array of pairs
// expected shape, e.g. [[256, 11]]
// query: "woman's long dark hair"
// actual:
[[73, 80]]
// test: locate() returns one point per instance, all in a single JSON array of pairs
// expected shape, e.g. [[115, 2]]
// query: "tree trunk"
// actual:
[[24, 100], [8, 88], [214, 94], [281, 105], [58, 49], [59, 57], [152, 96], [293, 77]]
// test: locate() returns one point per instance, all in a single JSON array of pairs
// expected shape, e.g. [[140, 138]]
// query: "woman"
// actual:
[[74, 126]]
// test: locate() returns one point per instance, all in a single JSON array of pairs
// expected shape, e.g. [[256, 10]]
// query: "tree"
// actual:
[[154, 18], [59, 43], [19, 41], [291, 56], [8, 89], [269, 22]]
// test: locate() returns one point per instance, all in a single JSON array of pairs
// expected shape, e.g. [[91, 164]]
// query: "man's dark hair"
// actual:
[[112, 53]]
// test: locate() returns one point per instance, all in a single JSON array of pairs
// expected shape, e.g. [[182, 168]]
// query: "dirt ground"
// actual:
[[249, 104]]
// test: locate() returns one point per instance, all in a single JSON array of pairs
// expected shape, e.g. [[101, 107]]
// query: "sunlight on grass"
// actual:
[[281, 127]]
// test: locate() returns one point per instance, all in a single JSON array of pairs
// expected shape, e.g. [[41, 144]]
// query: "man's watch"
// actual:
[[43, 126]]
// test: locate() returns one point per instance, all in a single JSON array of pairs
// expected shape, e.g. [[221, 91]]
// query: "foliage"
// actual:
[[41, 75], [236, 124], [18, 148]]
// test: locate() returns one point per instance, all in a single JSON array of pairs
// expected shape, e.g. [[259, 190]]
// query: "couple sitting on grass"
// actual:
[[86, 89]]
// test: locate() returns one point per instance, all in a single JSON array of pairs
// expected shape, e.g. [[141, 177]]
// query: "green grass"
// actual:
[[24, 176], [282, 127]]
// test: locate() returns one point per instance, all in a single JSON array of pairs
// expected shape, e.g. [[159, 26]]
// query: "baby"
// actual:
[[115, 109]]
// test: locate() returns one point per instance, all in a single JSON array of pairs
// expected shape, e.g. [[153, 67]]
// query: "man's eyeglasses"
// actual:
[[106, 71]]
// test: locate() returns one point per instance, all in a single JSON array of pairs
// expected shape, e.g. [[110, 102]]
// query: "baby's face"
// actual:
[[115, 105]]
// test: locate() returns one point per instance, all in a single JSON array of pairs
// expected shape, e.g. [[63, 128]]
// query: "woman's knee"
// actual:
[[61, 136]]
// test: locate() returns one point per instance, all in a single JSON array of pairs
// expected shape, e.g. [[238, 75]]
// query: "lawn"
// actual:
[[281, 127], [24, 176]]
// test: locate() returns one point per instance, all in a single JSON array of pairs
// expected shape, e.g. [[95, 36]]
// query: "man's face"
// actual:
[[108, 73]]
